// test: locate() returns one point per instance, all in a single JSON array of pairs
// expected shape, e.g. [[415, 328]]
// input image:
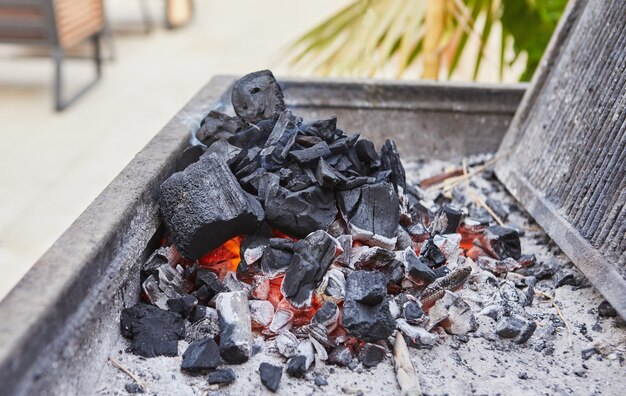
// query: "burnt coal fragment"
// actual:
[[217, 126], [327, 315], [204, 206], [189, 156], [201, 355], [235, 327], [281, 140], [209, 280], [296, 366], [270, 376], [360, 318], [413, 313], [297, 213], [183, 305], [390, 160], [154, 332], [341, 356], [446, 221], [312, 257], [441, 271], [254, 135], [257, 96], [431, 253], [222, 376], [325, 129], [371, 354], [374, 258], [501, 242], [326, 176], [275, 261], [366, 151], [605, 310], [311, 154], [417, 269], [376, 217], [348, 201], [308, 141]]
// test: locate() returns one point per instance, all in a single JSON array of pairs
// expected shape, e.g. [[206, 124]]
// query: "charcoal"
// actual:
[[201, 355], [418, 233], [416, 336], [199, 312], [446, 221], [460, 319], [510, 326], [498, 208], [413, 313], [327, 315], [282, 321], [346, 245], [416, 267], [207, 326], [365, 151], [223, 149], [257, 96], [501, 242], [154, 332], [326, 176], [310, 154], [251, 182], [222, 376], [183, 305], [275, 261], [300, 179], [270, 376], [189, 156], [296, 366], [255, 135], [312, 257], [281, 140], [306, 349], [261, 313], [233, 284], [348, 201], [153, 293], [371, 354], [366, 315], [377, 215], [297, 213], [403, 239], [390, 160], [433, 256], [341, 356], [336, 288], [605, 310], [325, 129], [394, 273], [133, 388], [204, 206], [159, 257], [287, 344], [339, 146], [235, 327], [355, 162], [208, 280], [441, 271], [308, 141], [367, 258]]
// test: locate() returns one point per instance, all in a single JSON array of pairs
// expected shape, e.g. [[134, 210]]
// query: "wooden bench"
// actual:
[[59, 25]]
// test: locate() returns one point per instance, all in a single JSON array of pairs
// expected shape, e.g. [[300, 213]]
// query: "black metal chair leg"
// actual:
[[58, 56]]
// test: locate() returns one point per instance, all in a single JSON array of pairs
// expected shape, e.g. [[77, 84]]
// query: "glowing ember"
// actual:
[[223, 259]]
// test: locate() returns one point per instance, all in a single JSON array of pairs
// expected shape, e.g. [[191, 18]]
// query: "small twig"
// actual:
[[440, 178], [568, 328], [405, 371], [460, 179], [478, 199], [129, 373]]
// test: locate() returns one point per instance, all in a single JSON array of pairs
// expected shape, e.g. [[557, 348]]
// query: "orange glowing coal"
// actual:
[[223, 259]]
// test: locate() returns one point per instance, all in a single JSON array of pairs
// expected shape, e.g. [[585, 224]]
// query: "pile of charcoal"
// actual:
[[296, 232]]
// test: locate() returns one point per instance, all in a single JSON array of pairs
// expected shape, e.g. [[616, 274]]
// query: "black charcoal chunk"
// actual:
[[210, 281], [327, 315], [275, 261], [308, 141], [416, 267], [297, 213], [502, 242], [341, 356], [281, 140], [348, 201], [390, 160], [217, 126], [498, 208], [605, 310], [371, 354], [154, 332], [326, 176], [320, 380], [446, 221], [224, 150], [312, 257], [270, 376], [367, 322], [158, 258], [310, 154], [366, 151], [510, 326], [325, 129], [204, 206], [222, 376], [198, 313], [431, 253], [375, 220], [257, 96], [182, 305], [133, 388], [235, 326], [441, 271], [371, 258], [201, 355], [296, 366], [189, 156], [413, 313]]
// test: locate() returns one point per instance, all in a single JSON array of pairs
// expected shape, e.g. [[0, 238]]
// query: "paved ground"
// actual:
[[53, 165]]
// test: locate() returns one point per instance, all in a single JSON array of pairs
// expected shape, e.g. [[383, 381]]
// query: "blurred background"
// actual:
[[56, 157]]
